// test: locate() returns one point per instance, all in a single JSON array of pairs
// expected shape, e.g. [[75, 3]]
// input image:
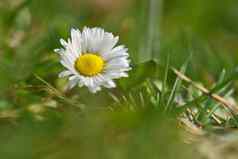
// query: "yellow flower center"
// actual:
[[89, 64]]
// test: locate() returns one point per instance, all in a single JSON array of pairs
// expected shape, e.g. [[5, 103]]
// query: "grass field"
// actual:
[[179, 100]]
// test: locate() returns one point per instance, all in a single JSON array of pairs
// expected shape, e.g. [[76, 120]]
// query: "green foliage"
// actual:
[[138, 119]]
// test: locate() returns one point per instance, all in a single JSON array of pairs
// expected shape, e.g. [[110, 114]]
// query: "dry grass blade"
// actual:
[[218, 98], [59, 94]]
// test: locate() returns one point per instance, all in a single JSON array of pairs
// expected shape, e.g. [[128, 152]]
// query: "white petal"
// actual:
[[119, 60], [66, 60], [72, 83], [71, 78], [91, 39], [109, 84], [84, 42], [63, 43], [76, 40], [108, 42], [59, 51], [117, 52], [91, 84], [66, 64], [116, 75], [65, 74], [66, 57], [116, 64], [71, 50], [95, 40], [94, 89]]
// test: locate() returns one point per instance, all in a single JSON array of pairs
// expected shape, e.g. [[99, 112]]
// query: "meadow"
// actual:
[[179, 101]]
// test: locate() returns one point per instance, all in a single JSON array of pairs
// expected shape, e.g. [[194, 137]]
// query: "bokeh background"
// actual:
[[38, 122]]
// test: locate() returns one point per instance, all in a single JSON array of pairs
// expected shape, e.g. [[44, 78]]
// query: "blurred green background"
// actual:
[[40, 122]]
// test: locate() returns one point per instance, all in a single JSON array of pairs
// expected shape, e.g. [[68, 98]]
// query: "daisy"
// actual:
[[92, 59]]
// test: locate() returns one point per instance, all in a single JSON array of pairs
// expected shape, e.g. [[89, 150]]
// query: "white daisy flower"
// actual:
[[92, 59]]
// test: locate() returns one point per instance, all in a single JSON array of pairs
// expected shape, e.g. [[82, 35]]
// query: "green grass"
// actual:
[[144, 116]]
